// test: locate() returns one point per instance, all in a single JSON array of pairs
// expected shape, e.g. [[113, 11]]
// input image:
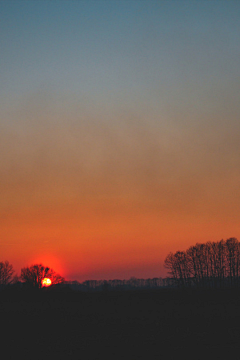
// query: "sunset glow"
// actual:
[[46, 282], [119, 133]]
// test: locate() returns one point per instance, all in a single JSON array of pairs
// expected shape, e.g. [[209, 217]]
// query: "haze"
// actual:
[[119, 132]]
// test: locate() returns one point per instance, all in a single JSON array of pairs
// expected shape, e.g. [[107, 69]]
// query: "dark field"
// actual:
[[163, 324]]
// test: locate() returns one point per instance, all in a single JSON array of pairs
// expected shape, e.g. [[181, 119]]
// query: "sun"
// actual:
[[46, 282]]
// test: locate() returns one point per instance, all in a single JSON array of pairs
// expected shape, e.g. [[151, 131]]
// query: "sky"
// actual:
[[119, 132]]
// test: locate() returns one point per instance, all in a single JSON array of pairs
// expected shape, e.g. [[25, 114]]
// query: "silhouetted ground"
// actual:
[[163, 324]]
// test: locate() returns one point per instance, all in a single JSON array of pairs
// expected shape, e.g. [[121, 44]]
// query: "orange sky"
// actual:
[[111, 200]]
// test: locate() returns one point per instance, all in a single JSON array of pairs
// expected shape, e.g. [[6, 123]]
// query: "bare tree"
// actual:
[[6, 273], [34, 275], [170, 263], [232, 260], [178, 264]]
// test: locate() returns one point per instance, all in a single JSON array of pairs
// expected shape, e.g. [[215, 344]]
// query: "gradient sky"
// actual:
[[119, 132]]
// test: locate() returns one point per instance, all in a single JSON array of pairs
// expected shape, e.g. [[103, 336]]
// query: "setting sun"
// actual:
[[46, 282]]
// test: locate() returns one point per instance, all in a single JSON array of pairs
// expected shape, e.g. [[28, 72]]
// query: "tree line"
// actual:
[[210, 264], [118, 284]]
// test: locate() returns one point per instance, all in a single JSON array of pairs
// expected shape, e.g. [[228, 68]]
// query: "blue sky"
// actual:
[[118, 49]]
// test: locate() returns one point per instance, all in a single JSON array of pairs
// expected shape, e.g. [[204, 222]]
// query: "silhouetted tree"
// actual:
[[170, 263], [34, 275], [6, 273], [233, 260], [179, 267]]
